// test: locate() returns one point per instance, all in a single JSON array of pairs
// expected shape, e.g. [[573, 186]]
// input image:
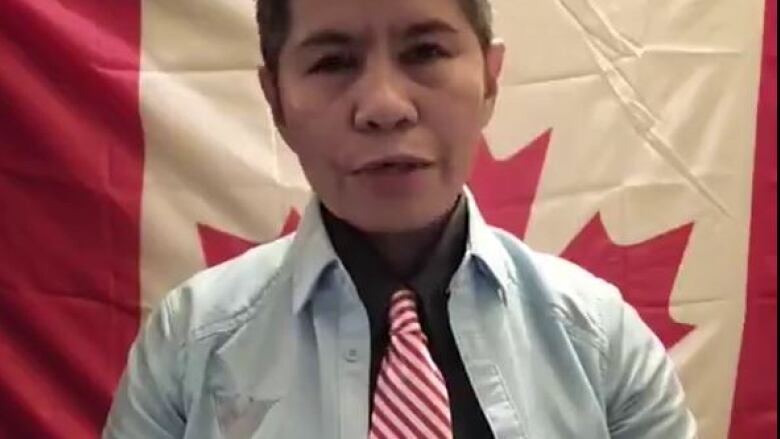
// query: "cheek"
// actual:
[[459, 122], [459, 127], [459, 104], [302, 102], [311, 127]]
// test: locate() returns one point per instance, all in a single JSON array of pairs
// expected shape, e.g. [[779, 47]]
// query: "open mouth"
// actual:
[[394, 164], [394, 176], [394, 167]]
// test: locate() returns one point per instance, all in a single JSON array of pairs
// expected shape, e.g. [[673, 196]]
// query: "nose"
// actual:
[[382, 100]]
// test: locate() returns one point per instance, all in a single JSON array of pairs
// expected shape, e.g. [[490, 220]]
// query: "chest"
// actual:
[[530, 378]]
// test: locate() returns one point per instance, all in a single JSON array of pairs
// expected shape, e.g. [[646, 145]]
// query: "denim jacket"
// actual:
[[275, 344]]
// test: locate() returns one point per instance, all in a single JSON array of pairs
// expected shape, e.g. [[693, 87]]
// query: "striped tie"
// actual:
[[410, 399]]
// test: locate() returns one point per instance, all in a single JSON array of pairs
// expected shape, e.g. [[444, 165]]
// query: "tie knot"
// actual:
[[403, 313]]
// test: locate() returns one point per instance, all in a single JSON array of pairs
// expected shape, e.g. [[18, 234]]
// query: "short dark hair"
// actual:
[[273, 21]]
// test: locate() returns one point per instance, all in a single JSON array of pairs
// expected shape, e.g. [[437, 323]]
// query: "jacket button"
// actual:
[[351, 355]]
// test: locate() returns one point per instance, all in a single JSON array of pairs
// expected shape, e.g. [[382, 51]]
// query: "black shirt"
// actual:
[[375, 284]]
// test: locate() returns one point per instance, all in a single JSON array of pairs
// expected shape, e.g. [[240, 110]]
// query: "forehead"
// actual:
[[367, 16]]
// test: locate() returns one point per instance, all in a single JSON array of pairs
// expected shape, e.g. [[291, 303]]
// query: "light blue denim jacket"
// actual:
[[275, 344]]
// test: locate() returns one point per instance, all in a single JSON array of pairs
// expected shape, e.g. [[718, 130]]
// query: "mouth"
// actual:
[[397, 164]]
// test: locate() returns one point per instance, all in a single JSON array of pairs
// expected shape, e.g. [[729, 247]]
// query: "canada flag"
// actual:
[[635, 138]]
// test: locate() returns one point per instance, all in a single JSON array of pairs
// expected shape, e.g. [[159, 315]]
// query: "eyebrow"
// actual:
[[433, 26], [329, 37]]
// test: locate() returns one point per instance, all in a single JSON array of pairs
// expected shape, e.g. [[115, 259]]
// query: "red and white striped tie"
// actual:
[[410, 399]]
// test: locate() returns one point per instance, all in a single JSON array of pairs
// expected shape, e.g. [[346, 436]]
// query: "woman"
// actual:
[[394, 311]]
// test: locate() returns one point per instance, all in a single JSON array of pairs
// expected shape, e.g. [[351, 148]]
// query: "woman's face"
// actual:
[[384, 102]]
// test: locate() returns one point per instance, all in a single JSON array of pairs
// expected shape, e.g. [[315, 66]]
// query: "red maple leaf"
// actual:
[[505, 190], [219, 246], [645, 272]]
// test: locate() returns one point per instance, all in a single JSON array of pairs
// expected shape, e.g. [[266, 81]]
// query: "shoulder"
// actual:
[[223, 297], [581, 301]]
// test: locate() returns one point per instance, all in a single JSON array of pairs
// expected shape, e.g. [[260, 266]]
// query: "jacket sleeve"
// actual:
[[147, 403], [645, 399]]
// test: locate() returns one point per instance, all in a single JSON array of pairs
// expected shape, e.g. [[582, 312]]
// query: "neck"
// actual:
[[403, 251]]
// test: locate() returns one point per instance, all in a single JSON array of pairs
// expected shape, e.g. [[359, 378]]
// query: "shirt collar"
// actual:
[[312, 254], [485, 248]]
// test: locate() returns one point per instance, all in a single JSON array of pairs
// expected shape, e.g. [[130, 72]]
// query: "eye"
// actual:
[[334, 63], [424, 53]]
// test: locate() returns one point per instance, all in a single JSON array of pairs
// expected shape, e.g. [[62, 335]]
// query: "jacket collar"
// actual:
[[485, 249], [312, 255]]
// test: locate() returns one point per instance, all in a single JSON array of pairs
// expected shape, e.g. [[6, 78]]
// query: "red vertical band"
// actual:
[[71, 167], [755, 405]]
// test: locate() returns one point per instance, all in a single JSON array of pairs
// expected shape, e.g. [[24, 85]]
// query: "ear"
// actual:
[[270, 85], [494, 62]]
